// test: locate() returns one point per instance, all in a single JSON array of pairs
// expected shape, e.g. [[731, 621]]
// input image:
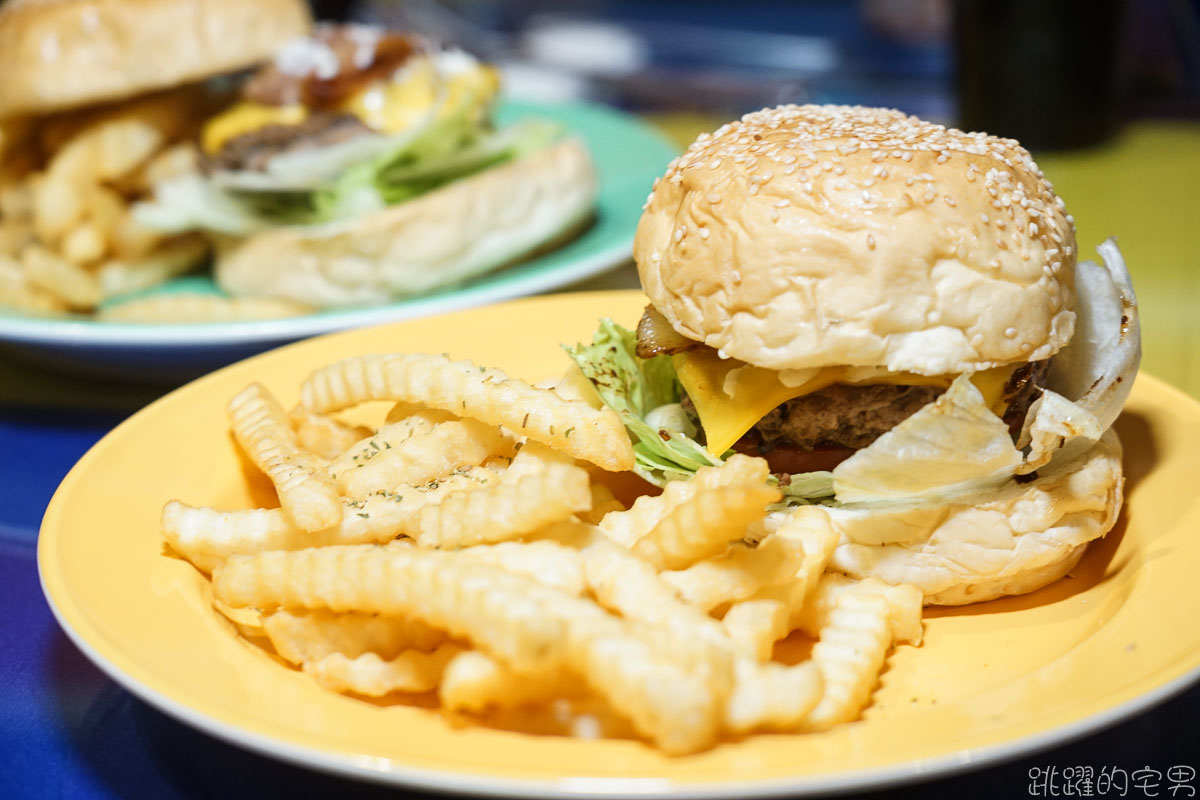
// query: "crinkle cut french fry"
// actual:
[[755, 625], [664, 700], [474, 682], [905, 603], [628, 585], [772, 696], [545, 561], [169, 259], [413, 671], [422, 457], [603, 502], [850, 652], [530, 627], [518, 503], [739, 572], [507, 615], [306, 493], [16, 291], [305, 636], [489, 395], [627, 527], [810, 527], [325, 436], [704, 525], [206, 536], [48, 270], [392, 434]]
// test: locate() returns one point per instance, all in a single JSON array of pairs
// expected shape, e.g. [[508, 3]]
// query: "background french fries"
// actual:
[[67, 186], [474, 557]]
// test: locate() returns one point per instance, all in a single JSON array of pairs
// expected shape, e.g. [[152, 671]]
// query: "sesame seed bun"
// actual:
[[60, 54], [812, 236]]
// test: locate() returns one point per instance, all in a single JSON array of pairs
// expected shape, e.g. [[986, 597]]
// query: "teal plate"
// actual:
[[628, 155]]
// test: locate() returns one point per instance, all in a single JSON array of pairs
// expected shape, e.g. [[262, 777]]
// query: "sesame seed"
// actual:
[[1011, 333], [870, 241], [703, 233]]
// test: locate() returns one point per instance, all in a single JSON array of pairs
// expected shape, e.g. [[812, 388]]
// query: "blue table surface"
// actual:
[[67, 731]]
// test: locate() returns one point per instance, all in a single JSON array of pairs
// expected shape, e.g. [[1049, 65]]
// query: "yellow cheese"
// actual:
[[395, 106], [728, 406], [245, 117], [391, 106], [990, 383]]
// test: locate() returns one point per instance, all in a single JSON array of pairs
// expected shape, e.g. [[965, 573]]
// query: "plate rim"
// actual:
[[90, 333], [410, 777], [86, 334], [953, 762]]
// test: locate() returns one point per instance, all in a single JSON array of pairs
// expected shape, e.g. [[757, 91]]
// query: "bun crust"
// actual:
[[810, 236], [470, 226], [59, 54], [1019, 539]]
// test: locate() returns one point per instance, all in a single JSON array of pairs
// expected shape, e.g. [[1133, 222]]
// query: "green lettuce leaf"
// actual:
[[326, 186], [645, 392]]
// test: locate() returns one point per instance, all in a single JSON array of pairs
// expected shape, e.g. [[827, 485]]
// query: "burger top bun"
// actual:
[[58, 54], [811, 236]]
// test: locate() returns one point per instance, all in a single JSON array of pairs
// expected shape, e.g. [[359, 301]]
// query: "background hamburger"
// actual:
[[99, 101], [352, 166], [892, 314], [361, 165]]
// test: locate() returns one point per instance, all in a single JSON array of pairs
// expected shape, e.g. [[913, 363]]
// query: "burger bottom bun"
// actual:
[[471, 226], [1013, 540]]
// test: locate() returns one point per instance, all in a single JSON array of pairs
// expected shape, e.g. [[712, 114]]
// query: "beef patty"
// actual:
[[822, 429], [252, 151]]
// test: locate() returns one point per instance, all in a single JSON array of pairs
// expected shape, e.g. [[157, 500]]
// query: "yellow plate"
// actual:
[[990, 682]]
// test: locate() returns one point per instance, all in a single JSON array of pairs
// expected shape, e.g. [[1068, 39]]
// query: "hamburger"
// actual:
[[313, 165], [360, 165], [890, 312], [99, 101]]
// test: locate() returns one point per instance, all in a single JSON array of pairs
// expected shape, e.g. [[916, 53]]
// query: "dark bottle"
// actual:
[[1046, 72]]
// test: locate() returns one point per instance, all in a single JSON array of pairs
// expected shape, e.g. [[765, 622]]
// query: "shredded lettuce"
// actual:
[[643, 392], [343, 181]]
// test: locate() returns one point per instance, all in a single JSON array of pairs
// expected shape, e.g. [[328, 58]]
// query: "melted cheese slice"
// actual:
[[245, 117], [391, 106], [730, 396]]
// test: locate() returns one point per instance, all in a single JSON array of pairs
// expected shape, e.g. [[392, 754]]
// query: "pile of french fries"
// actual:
[[68, 239], [470, 546]]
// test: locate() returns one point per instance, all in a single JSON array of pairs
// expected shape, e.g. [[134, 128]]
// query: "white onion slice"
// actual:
[[1096, 369], [956, 446]]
